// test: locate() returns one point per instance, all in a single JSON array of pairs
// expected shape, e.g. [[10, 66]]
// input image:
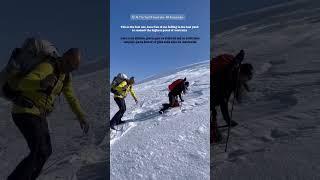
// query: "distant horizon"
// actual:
[[165, 71], [170, 70]]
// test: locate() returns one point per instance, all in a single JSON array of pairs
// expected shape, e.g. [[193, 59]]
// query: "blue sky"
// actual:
[[144, 60], [71, 23]]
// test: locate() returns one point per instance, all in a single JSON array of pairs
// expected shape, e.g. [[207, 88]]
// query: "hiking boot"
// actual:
[[112, 126]]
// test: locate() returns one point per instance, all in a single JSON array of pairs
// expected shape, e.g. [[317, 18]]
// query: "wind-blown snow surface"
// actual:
[[278, 136], [75, 156], [174, 145]]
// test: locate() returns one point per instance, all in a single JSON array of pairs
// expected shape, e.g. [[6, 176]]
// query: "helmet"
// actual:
[[122, 76]]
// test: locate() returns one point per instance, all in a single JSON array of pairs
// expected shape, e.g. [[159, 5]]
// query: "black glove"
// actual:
[[239, 57]]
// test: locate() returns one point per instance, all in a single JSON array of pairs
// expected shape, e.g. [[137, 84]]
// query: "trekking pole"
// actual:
[[229, 126], [140, 104], [234, 96]]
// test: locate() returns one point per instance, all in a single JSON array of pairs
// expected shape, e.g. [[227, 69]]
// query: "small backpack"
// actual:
[[219, 63], [116, 81], [175, 83], [23, 60], [32, 53]]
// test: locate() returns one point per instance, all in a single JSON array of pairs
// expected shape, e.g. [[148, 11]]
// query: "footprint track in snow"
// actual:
[[234, 155]]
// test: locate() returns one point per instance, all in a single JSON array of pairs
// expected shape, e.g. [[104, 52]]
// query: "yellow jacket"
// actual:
[[30, 88], [123, 89]]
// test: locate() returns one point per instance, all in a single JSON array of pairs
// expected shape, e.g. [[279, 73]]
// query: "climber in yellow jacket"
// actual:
[[121, 93], [37, 92]]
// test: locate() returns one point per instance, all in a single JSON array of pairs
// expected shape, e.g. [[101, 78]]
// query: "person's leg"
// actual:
[[175, 102], [24, 168], [122, 109], [115, 118], [44, 148], [166, 106], [35, 131], [225, 113], [215, 135], [172, 99]]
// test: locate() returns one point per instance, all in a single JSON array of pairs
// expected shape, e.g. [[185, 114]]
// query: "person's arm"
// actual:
[[224, 111], [73, 102], [181, 97], [133, 94], [32, 80]]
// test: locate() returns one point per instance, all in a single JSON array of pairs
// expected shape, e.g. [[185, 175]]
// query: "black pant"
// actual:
[[36, 133], [172, 102], [122, 109], [172, 99]]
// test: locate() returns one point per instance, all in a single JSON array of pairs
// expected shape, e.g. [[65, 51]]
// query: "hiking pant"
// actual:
[[213, 126], [215, 134], [122, 109], [36, 132], [172, 102]]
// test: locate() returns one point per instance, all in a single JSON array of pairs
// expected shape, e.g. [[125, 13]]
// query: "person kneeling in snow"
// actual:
[[120, 87], [227, 76], [178, 87]]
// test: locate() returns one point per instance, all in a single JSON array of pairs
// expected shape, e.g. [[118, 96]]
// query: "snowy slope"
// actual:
[[75, 156], [278, 136], [174, 145]]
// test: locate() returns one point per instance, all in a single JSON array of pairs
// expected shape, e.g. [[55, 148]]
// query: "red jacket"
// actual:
[[220, 62]]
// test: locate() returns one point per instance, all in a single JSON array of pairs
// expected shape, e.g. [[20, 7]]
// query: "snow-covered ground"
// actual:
[[278, 136], [75, 156], [174, 145]]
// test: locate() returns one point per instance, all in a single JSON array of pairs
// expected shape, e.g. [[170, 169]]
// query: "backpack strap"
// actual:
[[67, 78], [55, 64], [115, 84]]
